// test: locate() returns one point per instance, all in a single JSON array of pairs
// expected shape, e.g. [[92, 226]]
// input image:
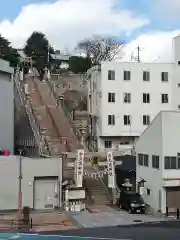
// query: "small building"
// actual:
[[158, 162], [41, 182], [6, 107]]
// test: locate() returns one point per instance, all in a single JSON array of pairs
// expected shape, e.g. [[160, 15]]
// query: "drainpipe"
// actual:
[[20, 187]]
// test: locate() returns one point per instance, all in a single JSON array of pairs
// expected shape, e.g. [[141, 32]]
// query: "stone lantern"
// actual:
[[127, 185]]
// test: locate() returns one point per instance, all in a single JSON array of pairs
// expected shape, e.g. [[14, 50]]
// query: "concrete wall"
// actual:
[[150, 143], [9, 184], [171, 141], [6, 110]]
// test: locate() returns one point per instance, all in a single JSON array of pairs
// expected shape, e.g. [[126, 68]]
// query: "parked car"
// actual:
[[132, 202]]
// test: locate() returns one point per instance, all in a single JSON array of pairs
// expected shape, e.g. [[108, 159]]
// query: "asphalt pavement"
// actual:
[[146, 231]]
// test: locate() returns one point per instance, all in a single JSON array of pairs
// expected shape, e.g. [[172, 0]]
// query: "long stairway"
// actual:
[[61, 124], [96, 190], [45, 120]]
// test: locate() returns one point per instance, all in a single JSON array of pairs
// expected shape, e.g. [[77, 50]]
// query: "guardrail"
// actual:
[[102, 181], [41, 142]]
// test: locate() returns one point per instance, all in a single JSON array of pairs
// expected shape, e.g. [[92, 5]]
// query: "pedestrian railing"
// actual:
[[40, 141]]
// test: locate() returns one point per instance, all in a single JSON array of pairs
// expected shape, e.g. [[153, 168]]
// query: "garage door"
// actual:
[[173, 198], [44, 194]]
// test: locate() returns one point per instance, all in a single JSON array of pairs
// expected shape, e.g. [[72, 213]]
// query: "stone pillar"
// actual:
[[83, 137]]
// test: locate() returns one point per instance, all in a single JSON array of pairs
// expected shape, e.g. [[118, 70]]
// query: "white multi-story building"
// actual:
[[124, 98]]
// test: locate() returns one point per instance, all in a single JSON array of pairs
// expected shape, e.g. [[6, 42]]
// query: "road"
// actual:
[[166, 231]]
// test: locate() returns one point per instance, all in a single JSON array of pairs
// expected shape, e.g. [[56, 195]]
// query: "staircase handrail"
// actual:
[[103, 184], [41, 142], [75, 131]]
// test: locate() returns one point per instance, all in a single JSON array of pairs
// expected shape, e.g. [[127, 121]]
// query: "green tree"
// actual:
[[37, 47], [8, 53], [79, 64]]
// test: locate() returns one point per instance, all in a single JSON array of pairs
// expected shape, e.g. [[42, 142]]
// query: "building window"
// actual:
[[170, 162], [127, 98], [146, 160], [140, 159], [164, 98], [111, 119], [146, 119], [155, 161], [164, 76], [146, 98], [127, 120], [107, 144], [111, 75], [148, 192], [111, 97], [143, 159], [146, 76], [127, 75]]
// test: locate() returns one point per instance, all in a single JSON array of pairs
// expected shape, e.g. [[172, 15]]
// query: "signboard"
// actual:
[[111, 170], [79, 167]]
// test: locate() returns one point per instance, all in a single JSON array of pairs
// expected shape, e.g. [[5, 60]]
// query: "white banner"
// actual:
[[79, 167], [111, 170]]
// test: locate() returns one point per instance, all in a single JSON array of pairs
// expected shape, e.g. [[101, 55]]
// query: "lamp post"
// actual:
[[20, 186]]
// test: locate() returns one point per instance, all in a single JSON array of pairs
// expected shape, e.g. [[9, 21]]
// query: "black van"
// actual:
[[132, 202]]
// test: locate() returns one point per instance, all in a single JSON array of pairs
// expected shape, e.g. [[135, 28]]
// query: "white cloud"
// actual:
[[155, 47], [65, 22]]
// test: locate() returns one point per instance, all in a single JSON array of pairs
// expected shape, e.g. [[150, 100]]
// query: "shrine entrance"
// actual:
[[97, 170]]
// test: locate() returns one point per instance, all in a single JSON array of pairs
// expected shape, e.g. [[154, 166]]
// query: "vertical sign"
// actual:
[[111, 170], [79, 167]]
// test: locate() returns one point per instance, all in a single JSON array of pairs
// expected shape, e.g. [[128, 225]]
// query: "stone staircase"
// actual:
[[61, 124], [45, 120], [97, 193]]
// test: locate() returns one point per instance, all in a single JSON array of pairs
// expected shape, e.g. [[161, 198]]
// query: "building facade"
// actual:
[[158, 162], [6, 107], [124, 98], [41, 182]]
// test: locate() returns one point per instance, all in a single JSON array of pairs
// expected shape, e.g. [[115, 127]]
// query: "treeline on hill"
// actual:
[[37, 47]]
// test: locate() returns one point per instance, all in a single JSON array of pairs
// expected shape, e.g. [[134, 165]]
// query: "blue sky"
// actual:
[[143, 7], [66, 22], [16, 5]]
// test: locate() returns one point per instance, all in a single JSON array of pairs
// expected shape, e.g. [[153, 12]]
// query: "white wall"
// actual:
[[150, 143], [9, 184], [176, 49], [7, 112], [115, 142], [136, 87], [171, 141]]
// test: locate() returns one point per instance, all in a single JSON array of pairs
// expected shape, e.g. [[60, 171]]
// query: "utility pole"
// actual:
[[48, 56], [138, 54], [20, 186]]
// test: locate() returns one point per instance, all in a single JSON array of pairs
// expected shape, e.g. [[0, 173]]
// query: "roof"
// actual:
[[128, 162], [154, 120], [5, 67], [60, 57]]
